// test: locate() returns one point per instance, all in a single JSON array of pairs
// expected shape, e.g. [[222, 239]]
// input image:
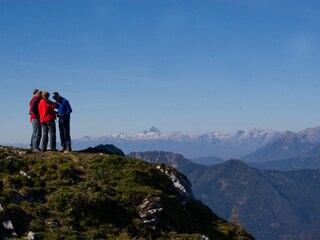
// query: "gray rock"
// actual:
[[7, 225], [149, 209], [180, 182], [203, 237], [31, 236]]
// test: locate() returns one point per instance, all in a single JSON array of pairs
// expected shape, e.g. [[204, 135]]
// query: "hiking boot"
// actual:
[[69, 149], [63, 149], [36, 150]]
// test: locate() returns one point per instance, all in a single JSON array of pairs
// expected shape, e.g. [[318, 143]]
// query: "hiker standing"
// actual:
[[47, 119], [64, 111], [35, 120]]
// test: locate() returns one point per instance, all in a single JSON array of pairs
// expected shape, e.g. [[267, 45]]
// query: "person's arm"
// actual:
[[66, 108]]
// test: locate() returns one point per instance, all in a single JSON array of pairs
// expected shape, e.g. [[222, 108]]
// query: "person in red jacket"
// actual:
[[47, 119], [35, 120]]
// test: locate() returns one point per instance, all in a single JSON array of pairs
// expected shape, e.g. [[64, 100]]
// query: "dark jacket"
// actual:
[[34, 111]]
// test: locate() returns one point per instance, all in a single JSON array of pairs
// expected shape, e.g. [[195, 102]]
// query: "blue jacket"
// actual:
[[64, 107]]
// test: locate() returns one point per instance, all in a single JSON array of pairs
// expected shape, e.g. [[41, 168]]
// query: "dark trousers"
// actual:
[[64, 129], [49, 128]]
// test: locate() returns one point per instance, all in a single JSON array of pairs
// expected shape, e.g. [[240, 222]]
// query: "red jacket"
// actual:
[[46, 111], [34, 103]]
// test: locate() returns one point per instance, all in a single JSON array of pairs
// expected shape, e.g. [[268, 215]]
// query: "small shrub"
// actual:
[[37, 225], [66, 170]]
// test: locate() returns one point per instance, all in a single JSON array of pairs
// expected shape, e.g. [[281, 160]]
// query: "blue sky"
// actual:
[[193, 66]]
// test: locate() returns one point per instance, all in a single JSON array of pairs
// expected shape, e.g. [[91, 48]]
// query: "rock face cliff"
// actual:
[[100, 196]]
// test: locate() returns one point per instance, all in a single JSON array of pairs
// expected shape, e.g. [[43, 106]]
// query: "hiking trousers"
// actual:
[[48, 128]]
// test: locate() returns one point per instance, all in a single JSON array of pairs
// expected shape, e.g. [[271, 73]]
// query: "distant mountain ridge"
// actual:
[[207, 161], [222, 145], [287, 145], [175, 160], [254, 145], [290, 164], [270, 204]]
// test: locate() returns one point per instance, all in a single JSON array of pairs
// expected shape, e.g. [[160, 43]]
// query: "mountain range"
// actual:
[[287, 145], [255, 145], [221, 145], [289, 151], [284, 150], [270, 204]]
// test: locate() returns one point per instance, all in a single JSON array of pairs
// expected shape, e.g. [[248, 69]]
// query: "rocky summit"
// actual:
[[77, 195]]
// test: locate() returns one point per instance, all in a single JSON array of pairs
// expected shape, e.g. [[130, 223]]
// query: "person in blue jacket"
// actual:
[[64, 111]]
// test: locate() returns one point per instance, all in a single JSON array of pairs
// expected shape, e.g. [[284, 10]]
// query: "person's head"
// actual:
[[35, 91], [45, 95], [38, 94], [56, 96]]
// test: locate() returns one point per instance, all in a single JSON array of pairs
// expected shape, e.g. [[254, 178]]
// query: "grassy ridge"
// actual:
[[93, 196]]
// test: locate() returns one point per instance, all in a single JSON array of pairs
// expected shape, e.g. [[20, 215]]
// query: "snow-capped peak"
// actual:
[[152, 132], [312, 134], [120, 136], [256, 132]]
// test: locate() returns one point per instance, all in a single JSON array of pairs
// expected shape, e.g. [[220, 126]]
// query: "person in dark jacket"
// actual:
[[35, 120], [64, 111], [47, 119]]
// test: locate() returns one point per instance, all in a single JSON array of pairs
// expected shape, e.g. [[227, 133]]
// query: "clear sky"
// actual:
[[193, 66]]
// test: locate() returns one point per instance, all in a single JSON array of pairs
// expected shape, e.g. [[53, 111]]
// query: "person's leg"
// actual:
[[44, 141], [38, 133], [52, 135], [62, 134], [33, 135], [67, 133]]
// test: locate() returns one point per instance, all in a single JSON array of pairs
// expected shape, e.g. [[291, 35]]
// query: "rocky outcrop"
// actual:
[[152, 210], [180, 182]]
